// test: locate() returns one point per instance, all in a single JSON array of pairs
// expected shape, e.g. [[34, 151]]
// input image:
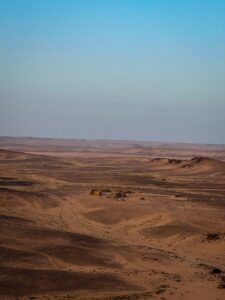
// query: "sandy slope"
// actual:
[[164, 240]]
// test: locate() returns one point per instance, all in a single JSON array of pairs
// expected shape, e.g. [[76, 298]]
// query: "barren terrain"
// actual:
[[84, 219]]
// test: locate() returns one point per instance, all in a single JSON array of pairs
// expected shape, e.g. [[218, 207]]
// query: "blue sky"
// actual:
[[120, 69]]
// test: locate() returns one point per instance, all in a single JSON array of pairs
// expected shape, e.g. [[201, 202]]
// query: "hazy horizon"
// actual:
[[108, 140], [115, 70]]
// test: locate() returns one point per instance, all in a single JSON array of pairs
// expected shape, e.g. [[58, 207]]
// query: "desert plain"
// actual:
[[82, 219]]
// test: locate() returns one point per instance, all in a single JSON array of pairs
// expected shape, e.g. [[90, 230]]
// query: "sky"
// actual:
[[113, 69]]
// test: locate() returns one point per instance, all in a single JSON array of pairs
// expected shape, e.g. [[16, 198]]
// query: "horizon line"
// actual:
[[109, 139]]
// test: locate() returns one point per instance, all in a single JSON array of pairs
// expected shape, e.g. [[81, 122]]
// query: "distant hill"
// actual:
[[146, 148]]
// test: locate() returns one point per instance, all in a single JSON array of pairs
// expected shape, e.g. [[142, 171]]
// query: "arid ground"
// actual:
[[84, 219]]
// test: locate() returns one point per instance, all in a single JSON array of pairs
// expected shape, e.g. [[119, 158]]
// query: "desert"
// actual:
[[112, 150], [92, 219]]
